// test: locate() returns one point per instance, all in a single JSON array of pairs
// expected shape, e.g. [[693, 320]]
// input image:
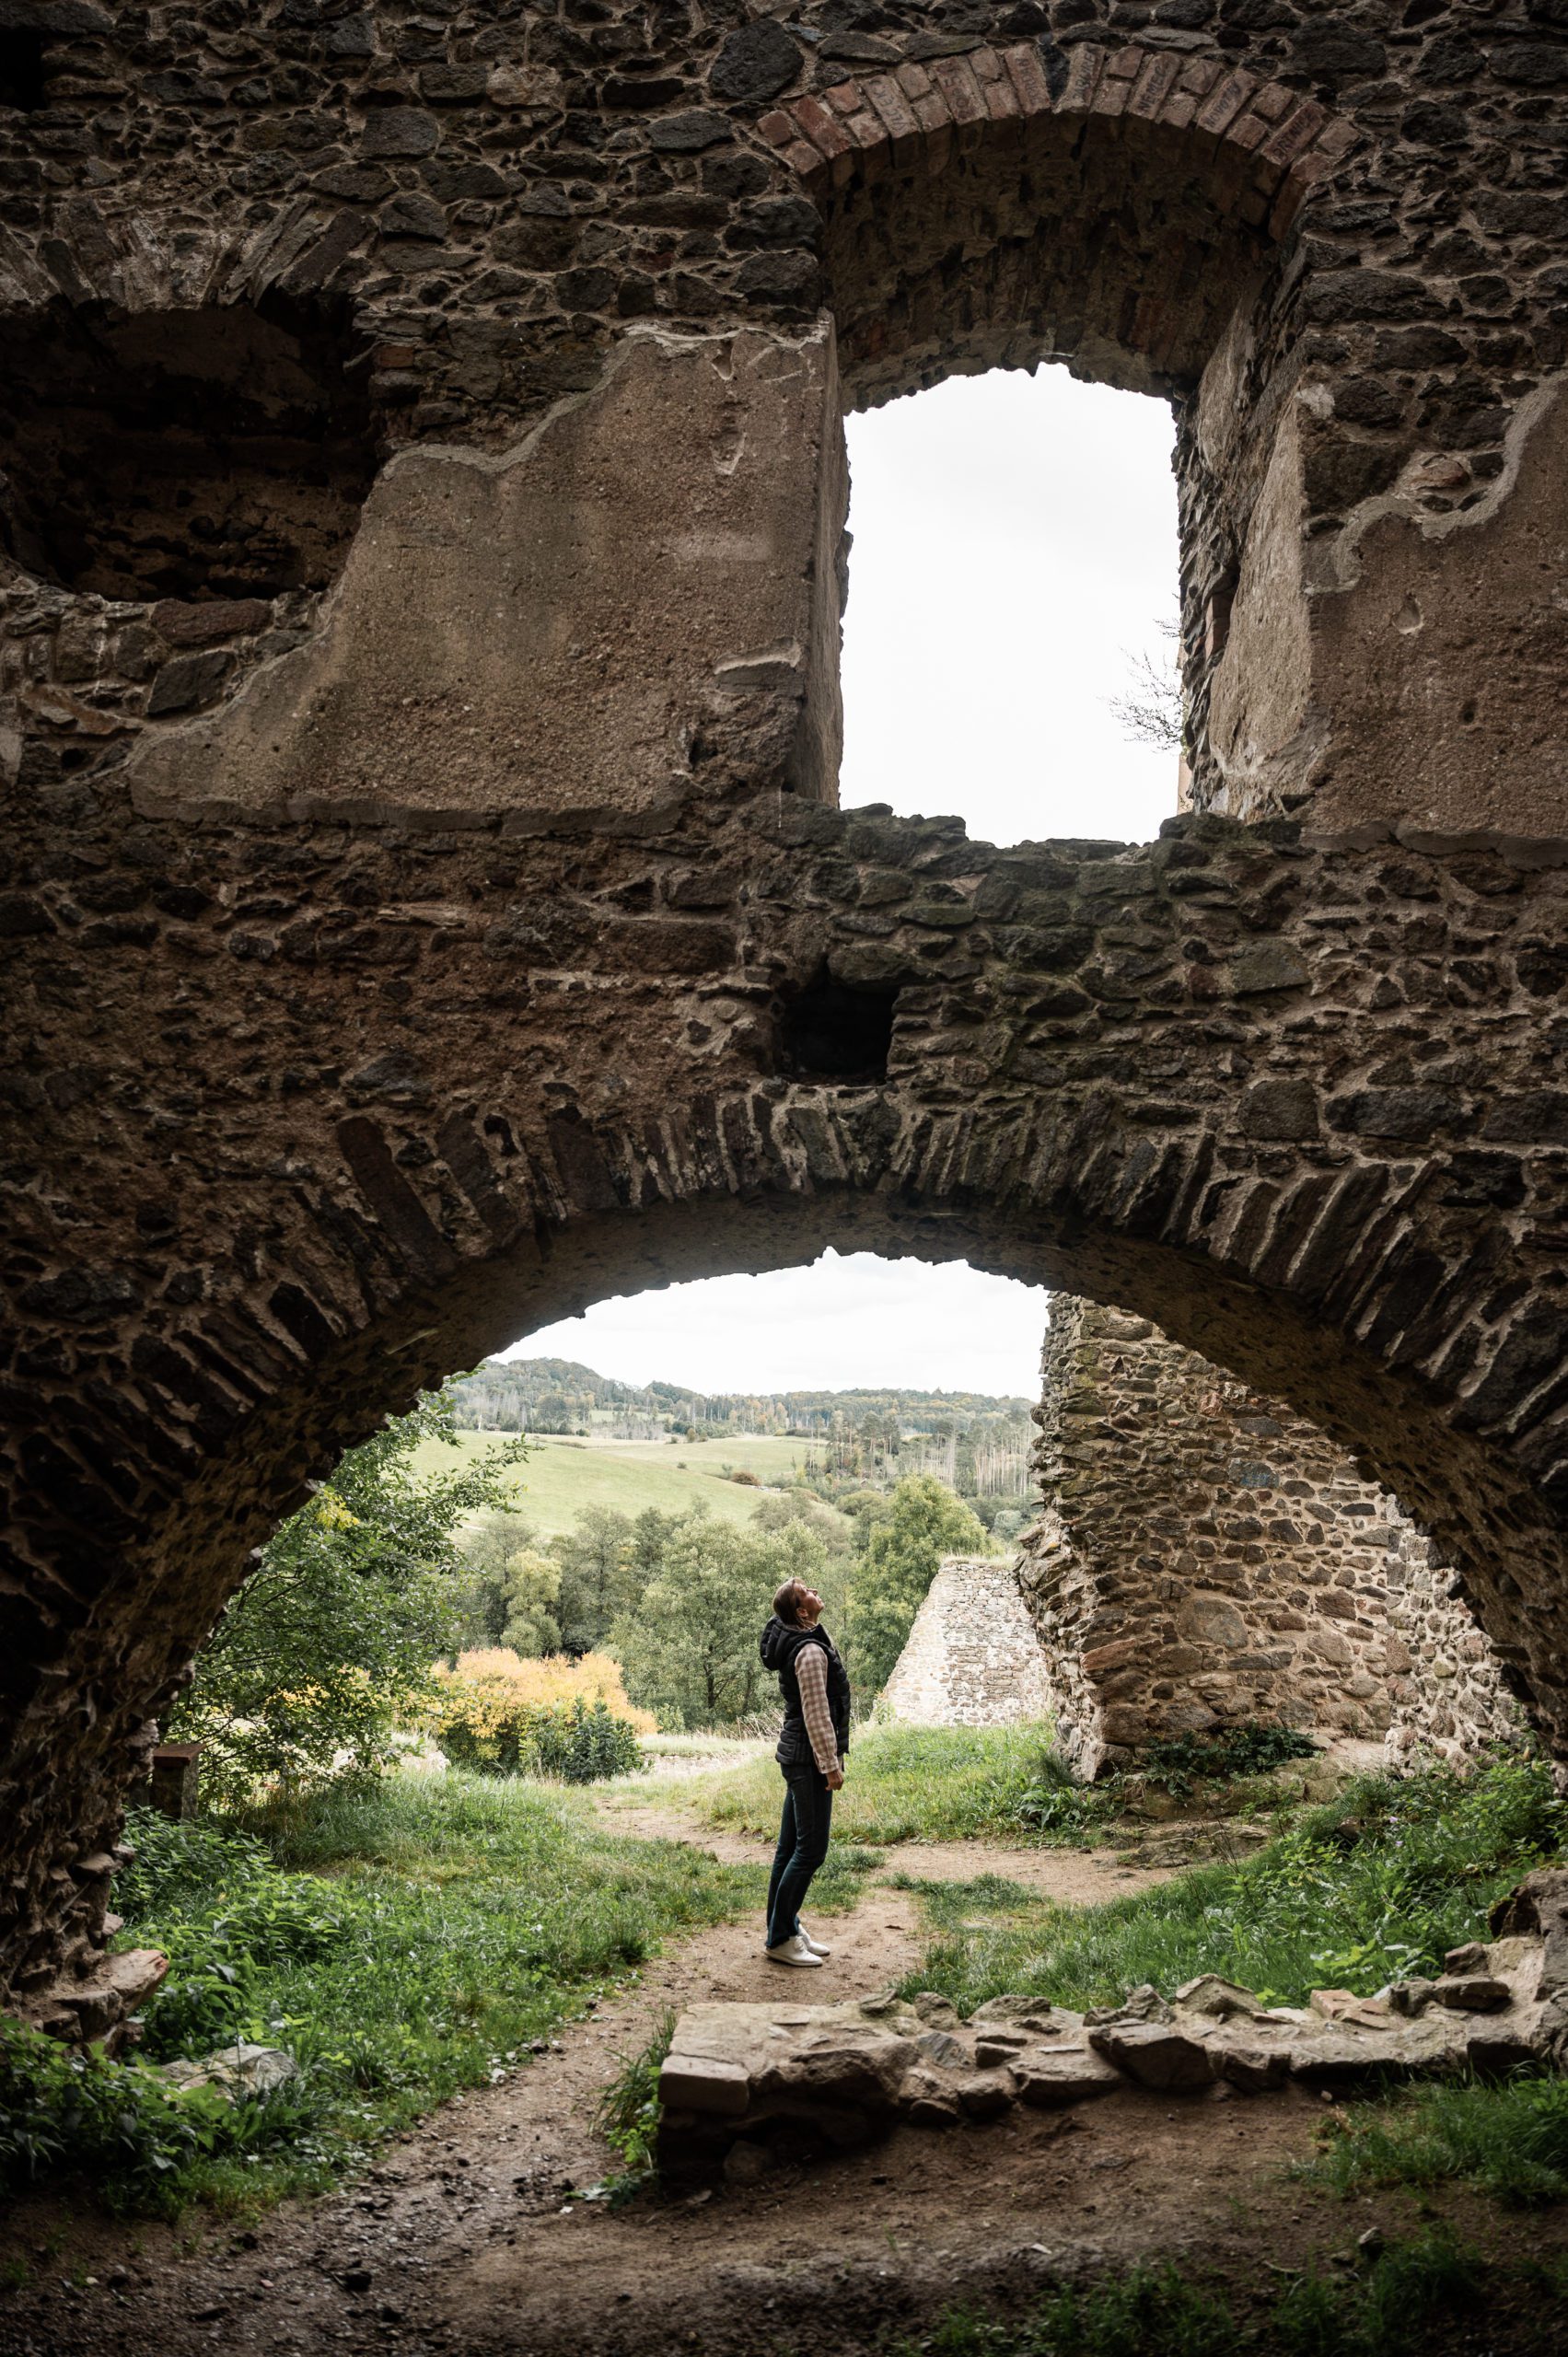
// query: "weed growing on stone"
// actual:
[[1248, 1748], [627, 2117], [401, 1942], [1375, 1888]]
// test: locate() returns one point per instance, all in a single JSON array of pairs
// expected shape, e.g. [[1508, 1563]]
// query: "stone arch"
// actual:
[[430, 1178]]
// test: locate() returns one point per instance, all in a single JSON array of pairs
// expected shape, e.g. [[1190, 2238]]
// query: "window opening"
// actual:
[[1012, 589], [838, 1031]]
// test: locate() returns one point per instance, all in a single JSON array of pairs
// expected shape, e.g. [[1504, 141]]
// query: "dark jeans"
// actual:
[[802, 1845]]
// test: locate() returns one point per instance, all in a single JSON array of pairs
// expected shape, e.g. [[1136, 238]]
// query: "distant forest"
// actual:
[[955, 1434]]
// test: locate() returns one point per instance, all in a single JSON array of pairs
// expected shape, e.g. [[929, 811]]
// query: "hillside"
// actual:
[[563, 1476], [561, 1395]]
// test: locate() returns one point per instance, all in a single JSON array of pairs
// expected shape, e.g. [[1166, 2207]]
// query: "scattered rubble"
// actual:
[[746, 2084]]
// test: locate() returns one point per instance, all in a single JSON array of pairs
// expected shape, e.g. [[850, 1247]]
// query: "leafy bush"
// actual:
[[63, 2107], [514, 1718], [583, 1746], [226, 1915], [122, 2129], [1056, 1802], [1247, 1748]]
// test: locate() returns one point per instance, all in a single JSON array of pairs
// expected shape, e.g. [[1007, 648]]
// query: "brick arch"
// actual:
[[1027, 163], [1276, 142]]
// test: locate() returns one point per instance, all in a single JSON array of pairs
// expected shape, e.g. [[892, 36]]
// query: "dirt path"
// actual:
[[1077, 1877], [463, 2240]]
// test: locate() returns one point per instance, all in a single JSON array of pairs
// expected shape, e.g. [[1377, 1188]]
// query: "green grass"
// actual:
[[902, 1784], [1510, 2141], [562, 1477], [401, 1943], [1308, 1911], [1391, 2305]]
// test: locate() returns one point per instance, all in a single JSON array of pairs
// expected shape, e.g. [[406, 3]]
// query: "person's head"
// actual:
[[796, 1605]]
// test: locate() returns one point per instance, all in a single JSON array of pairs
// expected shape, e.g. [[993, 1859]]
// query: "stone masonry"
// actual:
[[972, 1657], [1206, 1555], [423, 908]]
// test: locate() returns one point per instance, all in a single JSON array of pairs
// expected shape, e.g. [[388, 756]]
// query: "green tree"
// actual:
[[326, 1651], [484, 1598], [650, 1535], [898, 1563], [798, 1510], [533, 1627], [599, 1576], [688, 1650]]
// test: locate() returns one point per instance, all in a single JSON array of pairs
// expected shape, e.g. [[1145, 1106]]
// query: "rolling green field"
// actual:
[[562, 1477]]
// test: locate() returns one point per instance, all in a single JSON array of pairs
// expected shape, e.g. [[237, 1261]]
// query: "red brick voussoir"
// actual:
[[1278, 144]]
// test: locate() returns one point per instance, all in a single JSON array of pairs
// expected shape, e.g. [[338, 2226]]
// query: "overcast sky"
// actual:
[[1014, 545]]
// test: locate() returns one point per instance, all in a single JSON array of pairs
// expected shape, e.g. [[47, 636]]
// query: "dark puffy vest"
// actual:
[[779, 1646]]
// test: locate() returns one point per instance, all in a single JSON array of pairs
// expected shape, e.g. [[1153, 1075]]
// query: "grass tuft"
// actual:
[[904, 1784], [1510, 2141], [1385, 2311]]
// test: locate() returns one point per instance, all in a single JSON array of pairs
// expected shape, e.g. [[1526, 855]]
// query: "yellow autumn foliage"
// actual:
[[513, 1683]]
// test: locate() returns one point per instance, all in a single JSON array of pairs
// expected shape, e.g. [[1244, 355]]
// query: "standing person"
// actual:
[[811, 1750]]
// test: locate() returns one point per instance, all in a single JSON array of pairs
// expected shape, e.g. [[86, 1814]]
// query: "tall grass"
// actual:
[[902, 1785], [1511, 2140], [1315, 1907], [402, 1943]]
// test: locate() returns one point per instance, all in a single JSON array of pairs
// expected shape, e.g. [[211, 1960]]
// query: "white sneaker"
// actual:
[[815, 1945], [794, 1950]]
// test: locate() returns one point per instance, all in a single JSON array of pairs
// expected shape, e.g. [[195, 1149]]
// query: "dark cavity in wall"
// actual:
[[838, 1031], [217, 453], [23, 75]]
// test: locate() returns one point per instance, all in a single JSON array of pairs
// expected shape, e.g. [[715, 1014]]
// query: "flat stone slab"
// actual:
[[828, 2077]]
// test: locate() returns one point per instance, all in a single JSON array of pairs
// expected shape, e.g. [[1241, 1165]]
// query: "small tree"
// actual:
[[327, 1649], [689, 1647], [897, 1564], [488, 1547], [598, 1577], [533, 1594]]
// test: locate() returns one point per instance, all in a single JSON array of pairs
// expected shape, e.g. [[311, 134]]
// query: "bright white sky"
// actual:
[[1015, 543]]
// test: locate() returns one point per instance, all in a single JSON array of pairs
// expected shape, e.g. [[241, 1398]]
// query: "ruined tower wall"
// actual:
[[972, 1657], [1205, 1556]]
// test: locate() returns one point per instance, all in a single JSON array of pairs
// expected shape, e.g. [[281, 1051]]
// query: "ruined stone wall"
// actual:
[[972, 1657], [1207, 1556], [422, 908]]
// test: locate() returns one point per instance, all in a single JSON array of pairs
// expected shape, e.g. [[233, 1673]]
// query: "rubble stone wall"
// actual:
[[1206, 1555], [972, 1657], [422, 908]]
